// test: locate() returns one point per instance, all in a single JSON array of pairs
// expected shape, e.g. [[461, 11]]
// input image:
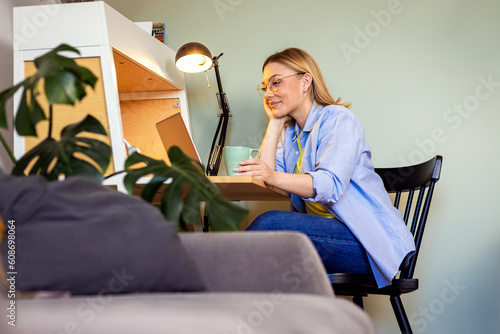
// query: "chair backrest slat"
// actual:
[[417, 213], [409, 203], [397, 198], [409, 271], [407, 180]]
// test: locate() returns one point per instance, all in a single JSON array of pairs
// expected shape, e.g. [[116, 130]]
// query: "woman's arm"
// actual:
[[270, 141], [337, 148], [265, 167], [298, 184]]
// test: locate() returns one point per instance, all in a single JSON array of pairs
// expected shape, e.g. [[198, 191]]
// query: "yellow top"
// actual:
[[312, 208]]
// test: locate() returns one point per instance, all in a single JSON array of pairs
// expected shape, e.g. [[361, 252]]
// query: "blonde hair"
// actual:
[[302, 62]]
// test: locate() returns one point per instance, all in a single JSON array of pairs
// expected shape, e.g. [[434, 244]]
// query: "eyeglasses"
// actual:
[[274, 85]]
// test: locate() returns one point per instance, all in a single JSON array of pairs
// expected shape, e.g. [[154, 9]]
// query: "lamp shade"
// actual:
[[193, 57]]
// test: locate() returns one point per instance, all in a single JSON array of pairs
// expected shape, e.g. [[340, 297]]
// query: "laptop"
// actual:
[[173, 132]]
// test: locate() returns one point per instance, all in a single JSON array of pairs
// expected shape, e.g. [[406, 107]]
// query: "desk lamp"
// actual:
[[195, 57]]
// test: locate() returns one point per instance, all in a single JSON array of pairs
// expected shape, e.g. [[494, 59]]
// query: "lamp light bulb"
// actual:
[[193, 63]]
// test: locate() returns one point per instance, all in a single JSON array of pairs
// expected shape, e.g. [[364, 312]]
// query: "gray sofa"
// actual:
[[257, 282]]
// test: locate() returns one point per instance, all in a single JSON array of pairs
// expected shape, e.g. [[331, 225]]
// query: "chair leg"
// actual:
[[358, 300], [399, 312]]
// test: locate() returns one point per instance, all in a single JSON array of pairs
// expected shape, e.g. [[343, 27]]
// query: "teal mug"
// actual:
[[233, 155]]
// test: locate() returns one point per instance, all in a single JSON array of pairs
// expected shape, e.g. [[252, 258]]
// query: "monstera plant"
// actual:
[[65, 83], [74, 154]]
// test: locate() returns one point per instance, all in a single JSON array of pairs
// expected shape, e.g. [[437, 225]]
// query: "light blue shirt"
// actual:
[[338, 158]]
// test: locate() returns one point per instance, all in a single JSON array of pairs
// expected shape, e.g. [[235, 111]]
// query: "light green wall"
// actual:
[[407, 82]]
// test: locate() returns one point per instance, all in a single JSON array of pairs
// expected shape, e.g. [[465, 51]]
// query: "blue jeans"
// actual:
[[338, 248]]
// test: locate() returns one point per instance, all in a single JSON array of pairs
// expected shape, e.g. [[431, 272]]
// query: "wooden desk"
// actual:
[[247, 188], [234, 188]]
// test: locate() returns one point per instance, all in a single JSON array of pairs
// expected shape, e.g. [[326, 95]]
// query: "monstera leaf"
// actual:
[[65, 83], [65, 80], [72, 155], [185, 175], [4, 97]]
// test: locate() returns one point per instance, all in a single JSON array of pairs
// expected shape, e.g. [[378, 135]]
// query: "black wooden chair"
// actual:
[[407, 183]]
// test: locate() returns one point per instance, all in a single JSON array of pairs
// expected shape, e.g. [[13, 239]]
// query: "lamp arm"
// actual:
[[214, 152], [220, 134], [222, 96]]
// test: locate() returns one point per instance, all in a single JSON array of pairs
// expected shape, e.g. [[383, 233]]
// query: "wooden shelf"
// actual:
[[133, 77]]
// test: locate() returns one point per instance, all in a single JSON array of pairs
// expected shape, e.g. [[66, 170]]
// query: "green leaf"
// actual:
[[191, 212], [96, 150], [65, 80], [51, 62], [172, 203], [186, 175], [5, 95], [218, 209], [150, 189], [23, 122], [62, 153], [36, 111], [42, 155], [133, 175], [65, 83], [62, 88]]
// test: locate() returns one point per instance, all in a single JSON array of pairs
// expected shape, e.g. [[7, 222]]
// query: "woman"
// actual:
[[314, 148]]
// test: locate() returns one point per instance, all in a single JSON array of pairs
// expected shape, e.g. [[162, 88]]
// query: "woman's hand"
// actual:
[[256, 168], [279, 121], [267, 108], [298, 184]]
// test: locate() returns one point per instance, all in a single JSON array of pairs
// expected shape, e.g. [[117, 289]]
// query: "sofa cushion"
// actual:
[[187, 313], [258, 261], [78, 236]]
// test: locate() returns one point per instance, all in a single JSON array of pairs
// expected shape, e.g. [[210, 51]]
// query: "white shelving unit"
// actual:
[[139, 83]]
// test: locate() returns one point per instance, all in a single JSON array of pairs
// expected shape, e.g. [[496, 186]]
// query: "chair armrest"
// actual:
[[280, 262]]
